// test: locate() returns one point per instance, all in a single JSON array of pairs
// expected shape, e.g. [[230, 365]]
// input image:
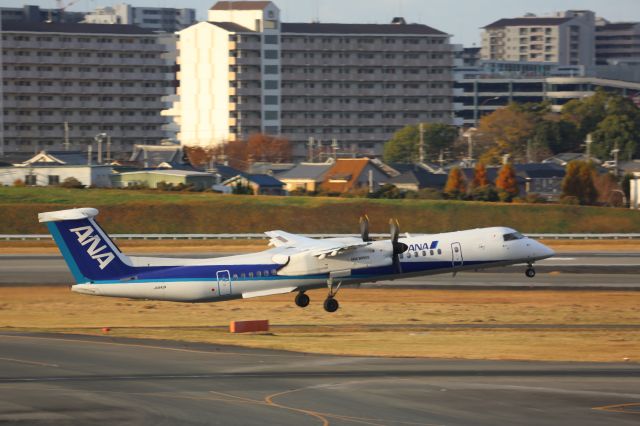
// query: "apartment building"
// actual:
[[65, 83], [245, 71], [568, 38], [32, 13], [478, 95], [617, 42], [166, 19]]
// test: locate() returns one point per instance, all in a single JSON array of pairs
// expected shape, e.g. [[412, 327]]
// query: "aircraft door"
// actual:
[[224, 283], [456, 255]]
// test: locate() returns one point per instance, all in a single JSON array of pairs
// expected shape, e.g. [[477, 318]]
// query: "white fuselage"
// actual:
[[286, 269]]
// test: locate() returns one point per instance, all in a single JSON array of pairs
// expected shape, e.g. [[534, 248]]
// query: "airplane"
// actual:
[[294, 263]]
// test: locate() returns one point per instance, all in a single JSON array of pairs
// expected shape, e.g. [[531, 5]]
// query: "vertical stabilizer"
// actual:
[[87, 249]]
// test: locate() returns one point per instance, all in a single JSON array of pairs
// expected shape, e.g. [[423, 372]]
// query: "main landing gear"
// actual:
[[330, 303], [530, 272], [302, 299]]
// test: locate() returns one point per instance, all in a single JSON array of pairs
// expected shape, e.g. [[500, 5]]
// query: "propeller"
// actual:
[[398, 247], [364, 228]]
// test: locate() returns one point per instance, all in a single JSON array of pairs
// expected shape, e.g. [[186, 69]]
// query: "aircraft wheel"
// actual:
[[302, 300], [331, 304], [530, 272]]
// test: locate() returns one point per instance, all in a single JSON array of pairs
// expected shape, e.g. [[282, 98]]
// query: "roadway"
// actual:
[[566, 270], [67, 379]]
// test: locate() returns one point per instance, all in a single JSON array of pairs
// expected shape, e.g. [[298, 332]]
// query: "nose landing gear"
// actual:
[[530, 272]]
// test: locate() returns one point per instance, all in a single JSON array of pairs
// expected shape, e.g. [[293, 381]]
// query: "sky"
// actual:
[[460, 18]]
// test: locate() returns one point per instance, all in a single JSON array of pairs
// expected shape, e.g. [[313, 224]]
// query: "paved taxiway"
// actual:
[[566, 270], [101, 380]]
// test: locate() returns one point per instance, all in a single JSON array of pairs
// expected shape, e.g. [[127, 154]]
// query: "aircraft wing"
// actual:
[[320, 248]]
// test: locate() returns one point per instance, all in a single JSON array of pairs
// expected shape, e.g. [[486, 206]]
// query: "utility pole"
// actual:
[[66, 136], [109, 148], [89, 153], [335, 146], [421, 147], [310, 146], [588, 143]]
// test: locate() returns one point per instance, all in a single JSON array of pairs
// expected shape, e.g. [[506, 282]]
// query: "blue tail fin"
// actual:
[[88, 251]]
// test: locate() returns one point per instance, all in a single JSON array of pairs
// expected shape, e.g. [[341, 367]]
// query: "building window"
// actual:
[[271, 54], [30, 179], [271, 69], [271, 115], [271, 84], [271, 130], [271, 100], [54, 180], [270, 39]]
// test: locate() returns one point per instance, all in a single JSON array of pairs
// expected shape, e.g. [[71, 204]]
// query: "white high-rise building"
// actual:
[[244, 71], [155, 18], [567, 38]]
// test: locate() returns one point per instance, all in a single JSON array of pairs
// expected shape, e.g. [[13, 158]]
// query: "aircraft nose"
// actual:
[[544, 251]]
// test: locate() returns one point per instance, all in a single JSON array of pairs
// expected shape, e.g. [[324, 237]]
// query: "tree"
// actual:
[[556, 135], [506, 183], [267, 148], [456, 186], [612, 119], [479, 176], [578, 182], [404, 146], [505, 131], [616, 132]]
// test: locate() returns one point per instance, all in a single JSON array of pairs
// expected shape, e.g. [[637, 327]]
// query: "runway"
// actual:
[[66, 379], [565, 271]]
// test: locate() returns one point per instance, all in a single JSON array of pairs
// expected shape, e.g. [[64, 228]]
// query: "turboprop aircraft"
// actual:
[[293, 264]]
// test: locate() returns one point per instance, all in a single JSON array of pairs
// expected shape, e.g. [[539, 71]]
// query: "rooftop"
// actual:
[[240, 5], [322, 28], [55, 27], [314, 171], [528, 21]]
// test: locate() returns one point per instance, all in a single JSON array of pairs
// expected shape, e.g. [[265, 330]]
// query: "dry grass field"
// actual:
[[478, 324]]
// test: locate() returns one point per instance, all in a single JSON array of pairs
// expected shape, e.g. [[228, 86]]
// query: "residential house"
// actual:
[[154, 178], [305, 177], [349, 174], [260, 184], [53, 168], [417, 178], [543, 179]]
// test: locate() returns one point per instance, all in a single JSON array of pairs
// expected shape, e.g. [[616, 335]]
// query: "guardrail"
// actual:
[[36, 237]]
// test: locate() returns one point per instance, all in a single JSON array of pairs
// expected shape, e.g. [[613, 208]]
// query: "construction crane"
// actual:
[[60, 7]]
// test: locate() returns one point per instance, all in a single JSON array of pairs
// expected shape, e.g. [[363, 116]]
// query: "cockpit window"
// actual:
[[513, 236]]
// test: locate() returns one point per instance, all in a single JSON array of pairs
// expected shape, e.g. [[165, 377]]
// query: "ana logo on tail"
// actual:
[[86, 236]]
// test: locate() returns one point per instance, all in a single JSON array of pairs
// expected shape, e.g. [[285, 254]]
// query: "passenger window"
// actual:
[[235, 276], [243, 275], [401, 256], [424, 253], [250, 274], [431, 252], [456, 249], [439, 251], [266, 273], [273, 272], [409, 256], [259, 273]]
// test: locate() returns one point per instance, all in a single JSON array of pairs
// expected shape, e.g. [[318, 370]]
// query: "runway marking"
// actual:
[[620, 408], [23, 361], [136, 345]]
